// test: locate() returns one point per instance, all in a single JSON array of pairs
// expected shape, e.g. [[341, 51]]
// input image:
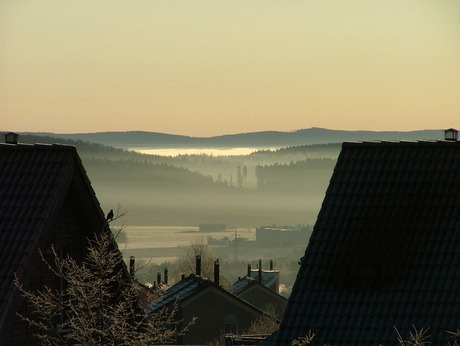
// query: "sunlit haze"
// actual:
[[206, 68]]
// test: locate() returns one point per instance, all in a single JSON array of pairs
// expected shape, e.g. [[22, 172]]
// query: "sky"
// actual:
[[207, 68]]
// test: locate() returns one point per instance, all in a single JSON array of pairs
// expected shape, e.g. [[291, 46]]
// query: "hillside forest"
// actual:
[[284, 186]]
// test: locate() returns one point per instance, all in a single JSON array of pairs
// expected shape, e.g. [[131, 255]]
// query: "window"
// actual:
[[230, 324]]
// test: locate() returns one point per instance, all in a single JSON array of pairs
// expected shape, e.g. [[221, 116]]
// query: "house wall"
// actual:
[[264, 299], [267, 278], [211, 307]]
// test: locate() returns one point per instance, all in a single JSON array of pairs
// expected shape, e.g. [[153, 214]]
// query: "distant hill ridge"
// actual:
[[263, 139]]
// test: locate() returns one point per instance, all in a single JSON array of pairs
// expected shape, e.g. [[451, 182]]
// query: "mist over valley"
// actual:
[[268, 186]]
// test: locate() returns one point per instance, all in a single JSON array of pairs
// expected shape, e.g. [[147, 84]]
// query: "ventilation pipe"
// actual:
[[216, 272], [198, 265], [132, 261]]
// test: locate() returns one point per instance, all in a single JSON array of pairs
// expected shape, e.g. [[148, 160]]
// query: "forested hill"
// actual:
[[85, 148], [88, 150], [283, 186], [264, 139], [126, 167]]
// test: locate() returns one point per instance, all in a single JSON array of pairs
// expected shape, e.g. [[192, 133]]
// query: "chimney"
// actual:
[[216, 272], [260, 271], [182, 277], [271, 264], [166, 276], [451, 135], [158, 278], [198, 265], [249, 270], [132, 260], [11, 138]]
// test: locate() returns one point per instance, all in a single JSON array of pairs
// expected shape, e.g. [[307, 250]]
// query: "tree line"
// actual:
[[295, 175]]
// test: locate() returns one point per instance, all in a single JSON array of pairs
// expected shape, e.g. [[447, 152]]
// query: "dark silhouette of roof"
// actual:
[[246, 282], [34, 180], [185, 289], [243, 284], [385, 250], [179, 292]]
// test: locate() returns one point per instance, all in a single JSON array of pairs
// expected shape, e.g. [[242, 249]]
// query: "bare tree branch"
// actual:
[[97, 305]]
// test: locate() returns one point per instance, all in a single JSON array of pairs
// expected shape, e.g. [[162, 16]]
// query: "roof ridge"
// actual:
[[22, 146], [399, 142]]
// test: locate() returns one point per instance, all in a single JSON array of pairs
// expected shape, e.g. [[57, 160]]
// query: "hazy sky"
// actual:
[[205, 68]]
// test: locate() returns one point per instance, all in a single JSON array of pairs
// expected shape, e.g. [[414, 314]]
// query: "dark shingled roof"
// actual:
[[179, 292], [34, 180], [385, 250], [185, 289], [245, 282], [242, 284], [270, 280]]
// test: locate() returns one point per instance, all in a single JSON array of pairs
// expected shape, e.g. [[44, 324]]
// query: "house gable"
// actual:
[[264, 298], [46, 199], [214, 308], [385, 250], [218, 312]]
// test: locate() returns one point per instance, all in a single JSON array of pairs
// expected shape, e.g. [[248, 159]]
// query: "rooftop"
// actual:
[[385, 249], [34, 180]]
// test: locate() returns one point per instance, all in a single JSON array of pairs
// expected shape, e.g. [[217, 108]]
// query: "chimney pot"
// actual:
[[260, 271], [132, 261], [451, 134], [198, 265], [11, 138], [216, 272], [166, 276]]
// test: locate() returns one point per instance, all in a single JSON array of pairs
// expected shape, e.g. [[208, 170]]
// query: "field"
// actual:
[[159, 244]]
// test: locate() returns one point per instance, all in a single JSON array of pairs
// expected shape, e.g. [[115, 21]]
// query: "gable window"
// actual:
[[230, 324]]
